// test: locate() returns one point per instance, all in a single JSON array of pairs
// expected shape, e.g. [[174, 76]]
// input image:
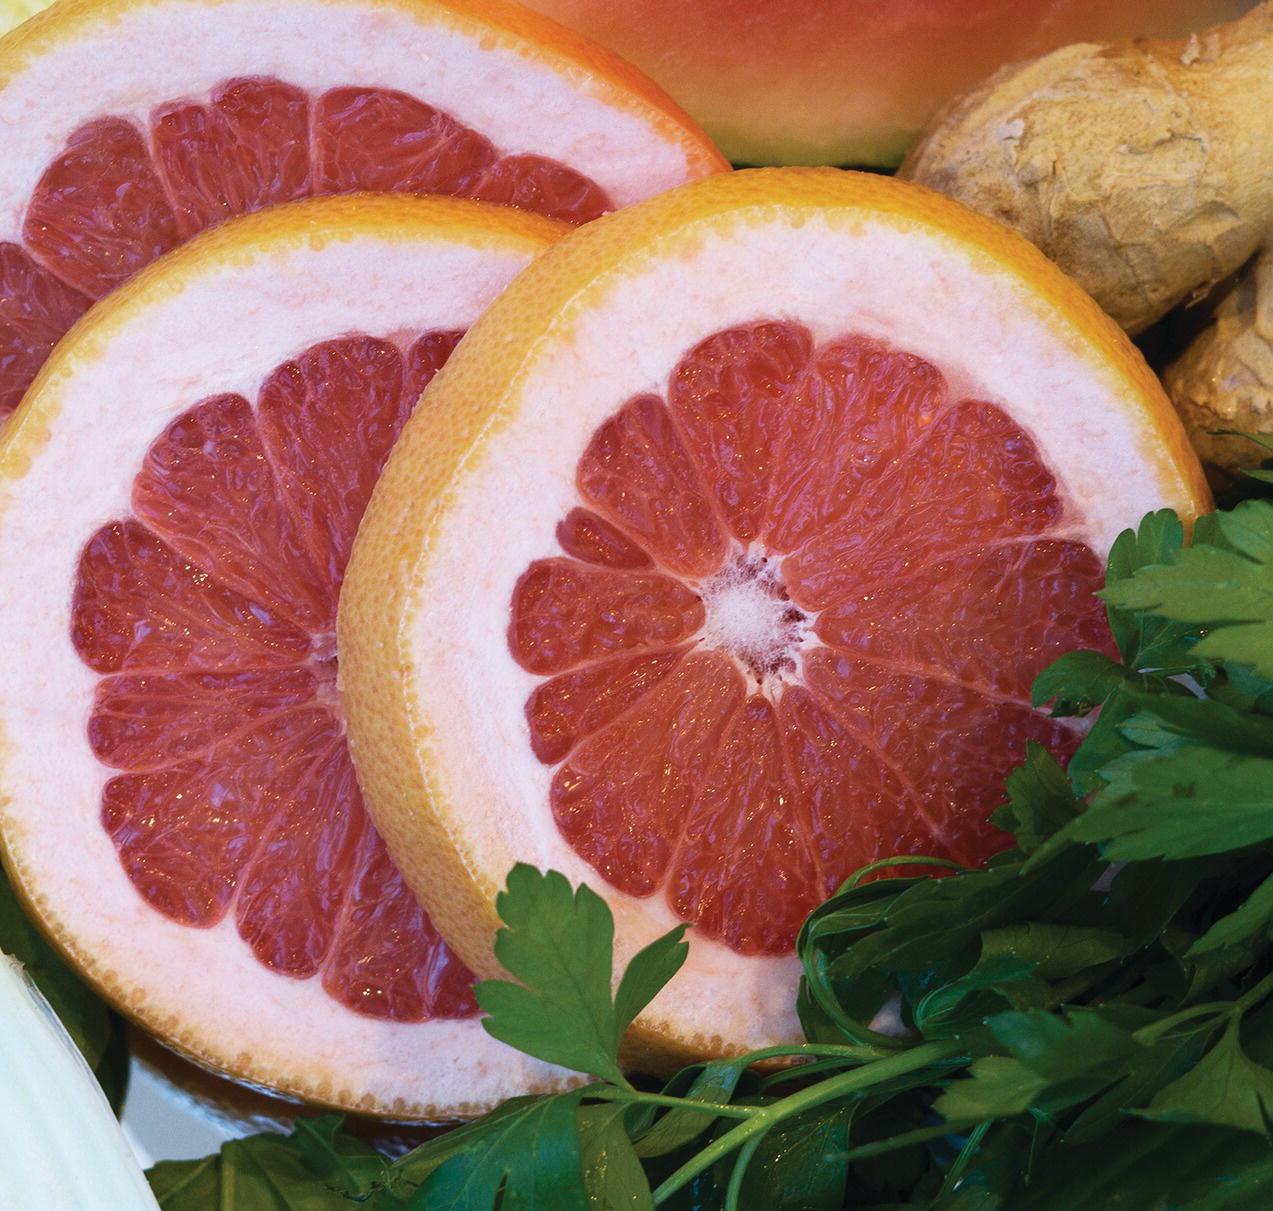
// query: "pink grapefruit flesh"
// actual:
[[179, 701], [210, 612], [109, 205], [119, 170], [809, 641]]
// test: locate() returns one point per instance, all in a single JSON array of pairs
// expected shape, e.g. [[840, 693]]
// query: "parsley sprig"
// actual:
[[1088, 1021]]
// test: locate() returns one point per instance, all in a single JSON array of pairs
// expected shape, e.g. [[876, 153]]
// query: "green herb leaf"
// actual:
[[1078, 682], [1145, 642], [559, 944], [1054, 951], [313, 1169], [1169, 723], [997, 1086], [711, 1082], [1040, 800], [997, 983], [1225, 1088], [1252, 920], [526, 1158], [335, 1156], [1145, 1073], [1179, 804], [1226, 592], [646, 973], [936, 923], [801, 1165], [1153, 1167], [1063, 1047], [613, 1177], [1103, 744]]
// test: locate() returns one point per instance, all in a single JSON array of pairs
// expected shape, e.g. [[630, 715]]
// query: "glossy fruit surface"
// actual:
[[848, 81]]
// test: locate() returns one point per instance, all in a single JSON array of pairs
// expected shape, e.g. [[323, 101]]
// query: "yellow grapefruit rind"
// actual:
[[478, 394], [394, 219]]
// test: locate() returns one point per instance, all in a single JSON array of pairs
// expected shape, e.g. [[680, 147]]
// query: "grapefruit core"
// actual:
[[721, 560], [109, 157], [179, 493], [848, 81]]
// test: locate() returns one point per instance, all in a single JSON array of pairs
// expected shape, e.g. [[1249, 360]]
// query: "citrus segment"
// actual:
[[99, 212], [566, 613], [812, 472], [244, 905], [960, 596], [209, 487], [125, 573], [238, 790], [35, 309], [246, 148], [261, 102]]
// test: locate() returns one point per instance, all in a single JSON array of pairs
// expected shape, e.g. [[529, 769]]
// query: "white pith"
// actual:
[[223, 329], [901, 283], [127, 62], [750, 618]]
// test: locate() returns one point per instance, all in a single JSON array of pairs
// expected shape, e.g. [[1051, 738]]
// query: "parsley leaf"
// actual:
[[1078, 682], [1145, 642], [613, 1177], [314, 1169], [1253, 919], [1153, 1167], [1225, 1088], [711, 1082], [527, 1156], [1040, 799], [1226, 591], [559, 944], [801, 1165], [1181, 803]]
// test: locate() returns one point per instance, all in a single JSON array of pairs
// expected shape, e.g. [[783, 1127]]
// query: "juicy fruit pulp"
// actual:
[[794, 627], [210, 614], [118, 195]]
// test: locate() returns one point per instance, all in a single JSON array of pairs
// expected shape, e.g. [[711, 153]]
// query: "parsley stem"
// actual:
[[796, 1103], [735, 1187], [1253, 996], [1147, 1036], [965, 1157], [716, 1109], [898, 860], [908, 1139], [847, 1051]]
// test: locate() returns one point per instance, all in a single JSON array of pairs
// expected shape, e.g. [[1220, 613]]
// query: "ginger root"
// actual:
[[1224, 379], [1145, 170]]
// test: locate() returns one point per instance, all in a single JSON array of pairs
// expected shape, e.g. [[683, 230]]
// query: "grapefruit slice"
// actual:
[[721, 560], [109, 156], [180, 491]]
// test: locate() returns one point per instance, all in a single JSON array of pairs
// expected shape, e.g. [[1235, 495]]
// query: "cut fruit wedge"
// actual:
[[179, 495], [126, 126], [721, 560]]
